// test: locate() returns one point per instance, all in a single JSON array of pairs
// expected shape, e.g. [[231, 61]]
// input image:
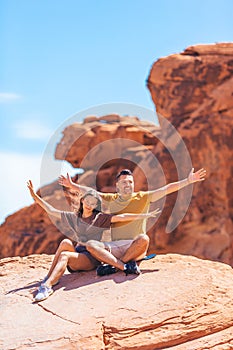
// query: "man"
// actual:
[[129, 241]]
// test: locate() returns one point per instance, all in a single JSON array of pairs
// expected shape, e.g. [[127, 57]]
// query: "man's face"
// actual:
[[125, 185]]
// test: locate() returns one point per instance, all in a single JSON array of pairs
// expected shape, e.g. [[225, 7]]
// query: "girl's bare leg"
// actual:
[[65, 245], [76, 261]]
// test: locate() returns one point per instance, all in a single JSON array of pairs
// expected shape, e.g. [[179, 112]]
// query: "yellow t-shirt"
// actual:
[[137, 204]]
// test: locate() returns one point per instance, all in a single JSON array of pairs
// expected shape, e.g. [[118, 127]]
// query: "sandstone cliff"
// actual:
[[150, 311], [192, 92]]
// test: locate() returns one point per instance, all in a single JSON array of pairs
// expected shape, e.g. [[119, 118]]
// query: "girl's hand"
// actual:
[[30, 187]]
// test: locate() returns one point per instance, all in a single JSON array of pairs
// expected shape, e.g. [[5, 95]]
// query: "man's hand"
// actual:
[[65, 181], [197, 176], [155, 212]]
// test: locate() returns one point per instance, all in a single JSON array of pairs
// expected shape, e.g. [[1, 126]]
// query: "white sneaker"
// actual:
[[43, 292]]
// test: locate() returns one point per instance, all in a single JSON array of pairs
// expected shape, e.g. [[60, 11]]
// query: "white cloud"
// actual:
[[16, 169], [32, 129], [6, 97]]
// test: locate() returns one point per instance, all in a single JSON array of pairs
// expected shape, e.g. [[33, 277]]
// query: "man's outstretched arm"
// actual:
[[67, 182], [176, 186]]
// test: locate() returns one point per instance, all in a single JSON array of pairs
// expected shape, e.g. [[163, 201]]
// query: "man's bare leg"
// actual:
[[98, 251], [137, 250]]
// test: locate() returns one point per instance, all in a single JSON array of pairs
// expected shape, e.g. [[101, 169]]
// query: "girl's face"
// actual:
[[89, 203]]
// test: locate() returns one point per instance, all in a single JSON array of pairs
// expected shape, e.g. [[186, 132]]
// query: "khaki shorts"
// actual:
[[118, 248]]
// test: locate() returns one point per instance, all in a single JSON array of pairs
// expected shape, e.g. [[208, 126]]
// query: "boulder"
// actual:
[[89, 145]]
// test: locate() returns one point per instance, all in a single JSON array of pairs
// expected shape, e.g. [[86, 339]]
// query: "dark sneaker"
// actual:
[[132, 268], [105, 269], [43, 292]]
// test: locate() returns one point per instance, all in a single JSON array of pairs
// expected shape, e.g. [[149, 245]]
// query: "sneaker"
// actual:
[[43, 292], [105, 269], [45, 280], [132, 268]]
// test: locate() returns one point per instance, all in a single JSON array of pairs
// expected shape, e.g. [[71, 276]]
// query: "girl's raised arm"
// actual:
[[46, 206]]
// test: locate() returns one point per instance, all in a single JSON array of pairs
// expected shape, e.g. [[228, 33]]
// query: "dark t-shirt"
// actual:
[[83, 229]]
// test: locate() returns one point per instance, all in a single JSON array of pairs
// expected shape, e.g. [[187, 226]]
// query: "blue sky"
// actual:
[[62, 57]]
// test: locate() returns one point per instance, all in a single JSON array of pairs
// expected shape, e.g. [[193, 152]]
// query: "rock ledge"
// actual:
[[178, 301]]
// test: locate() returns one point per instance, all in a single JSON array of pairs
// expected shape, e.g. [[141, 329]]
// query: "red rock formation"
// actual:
[[30, 230], [193, 90], [102, 140], [149, 311], [98, 145]]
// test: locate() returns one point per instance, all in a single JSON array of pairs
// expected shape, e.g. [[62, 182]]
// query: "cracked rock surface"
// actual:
[[178, 302]]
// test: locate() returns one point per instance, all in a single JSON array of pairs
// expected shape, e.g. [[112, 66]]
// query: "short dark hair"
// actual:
[[124, 172]]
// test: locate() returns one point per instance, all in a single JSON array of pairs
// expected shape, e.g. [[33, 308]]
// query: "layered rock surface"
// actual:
[[149, 311]]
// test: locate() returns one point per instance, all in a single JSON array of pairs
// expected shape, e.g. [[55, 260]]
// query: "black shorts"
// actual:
[[81, 249]]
